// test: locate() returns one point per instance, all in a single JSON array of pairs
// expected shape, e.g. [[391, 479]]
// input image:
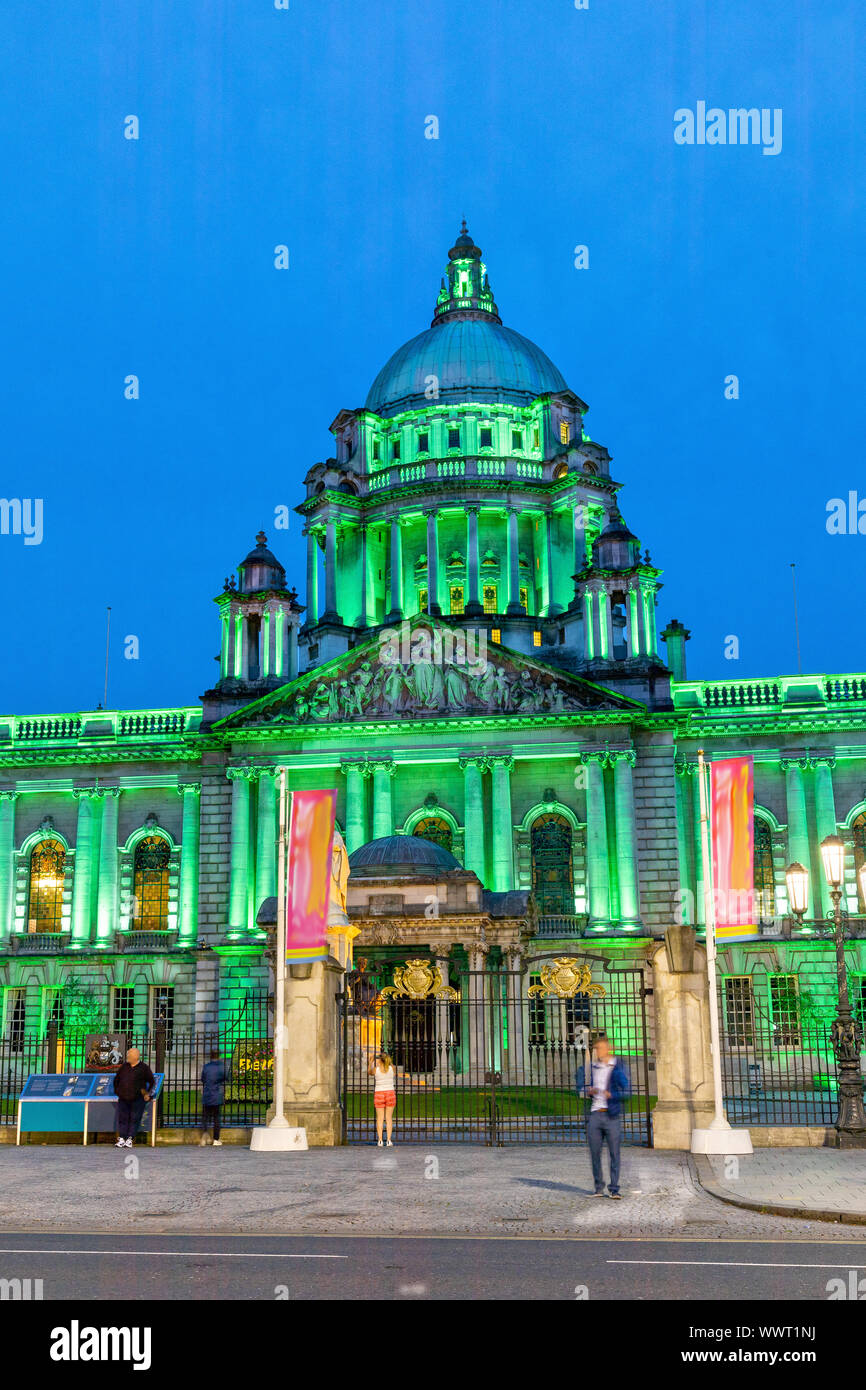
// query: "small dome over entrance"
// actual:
[[401, 854]]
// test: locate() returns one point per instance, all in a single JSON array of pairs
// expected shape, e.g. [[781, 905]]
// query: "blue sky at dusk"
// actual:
[[306, 127]]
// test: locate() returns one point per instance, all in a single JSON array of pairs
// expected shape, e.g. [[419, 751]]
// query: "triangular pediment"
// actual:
[[425, 668]]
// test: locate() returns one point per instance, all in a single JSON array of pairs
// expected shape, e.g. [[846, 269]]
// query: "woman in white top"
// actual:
[[384, 1094]]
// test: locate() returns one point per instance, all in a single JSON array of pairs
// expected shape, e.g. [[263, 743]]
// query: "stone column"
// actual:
[[331, 614], [686, 905], [189, 865], [514, 604], [607, 622], [106, 901], [798, 833], [684, 1072], [552, 606], [626, 839], [312, 579], [477, 1051], [433, 606], [596, 841], [356, 819], [825, 815], [226, 646], [579, 527], [244, 673], [7, 862], [266, 838], [292, 630], [473, 606], [473, 816], [362, 617], [515, 1060], [503, 830], [239, 863], [396, 613], [588, 624], [700, 900], [86, 848], [383, 823]]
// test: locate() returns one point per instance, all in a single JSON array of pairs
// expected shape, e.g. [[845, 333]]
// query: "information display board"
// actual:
[[77, 1102]]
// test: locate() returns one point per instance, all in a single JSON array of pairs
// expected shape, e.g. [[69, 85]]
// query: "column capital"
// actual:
[[824, 760], [79, 792], [9, 795], [622, 755], [482, 763], [794, 764], [472, 508], [503, 760], [108, 791], [599, 756], [386, 765], [188, 787], [247, 774]]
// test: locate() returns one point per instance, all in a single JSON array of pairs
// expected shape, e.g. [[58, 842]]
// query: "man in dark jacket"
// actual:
[[133, 1085], [213, 1085], [606, 1092]]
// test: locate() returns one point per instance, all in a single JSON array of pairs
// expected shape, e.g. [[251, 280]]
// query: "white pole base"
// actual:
[[278, 1139], [721, 1141]]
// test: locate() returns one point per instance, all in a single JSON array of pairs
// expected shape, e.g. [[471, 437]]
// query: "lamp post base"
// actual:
[[720, 1140], [278, 1138]]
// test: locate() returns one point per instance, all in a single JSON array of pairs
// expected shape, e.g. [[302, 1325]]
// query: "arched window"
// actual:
[[437, 829], [552, 878], [150, 884], [858, 832], [764, 880], [45, 909]]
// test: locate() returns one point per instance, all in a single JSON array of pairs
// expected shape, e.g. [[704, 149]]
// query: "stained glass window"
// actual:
[[436, 829], [490, 598], [456, 598], [47, 861], [150, 884], [552, 877], [764, 884]]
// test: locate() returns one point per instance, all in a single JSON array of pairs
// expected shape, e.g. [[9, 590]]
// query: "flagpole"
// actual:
[[279, 1120], [719, 1137]]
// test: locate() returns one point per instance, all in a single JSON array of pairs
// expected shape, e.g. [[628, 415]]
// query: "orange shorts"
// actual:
[[381, 1099]]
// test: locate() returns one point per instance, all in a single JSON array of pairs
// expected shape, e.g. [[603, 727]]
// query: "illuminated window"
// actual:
[[422, 600], [486, 439], [395, 449], [453, 439], [456, 598], [490, 598], [552, 878], [53, 1007], [524, 599], [517, 439], [123, 1008], [423, 443], [162, 1009], [785, 1010], [536, 639], [739, 1010], [436, 829], [564, 431], [150, 884], [535, 439], [858, 830], [375, 449], [45, 910], [495, 634], [764, 885], [15, 1001]]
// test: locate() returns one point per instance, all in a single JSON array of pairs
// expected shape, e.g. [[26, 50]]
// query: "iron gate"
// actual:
[[491, 1057]]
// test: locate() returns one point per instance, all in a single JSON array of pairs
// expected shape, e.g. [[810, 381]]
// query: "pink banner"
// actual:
[[308, 881], [732, 829]]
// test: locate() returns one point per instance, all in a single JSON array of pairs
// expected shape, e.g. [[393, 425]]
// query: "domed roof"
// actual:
[[474, 359], [401, 854], [261, 569]]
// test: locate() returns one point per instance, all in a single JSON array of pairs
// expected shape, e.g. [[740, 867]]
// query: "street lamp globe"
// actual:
[[798, 888], [833, 857]]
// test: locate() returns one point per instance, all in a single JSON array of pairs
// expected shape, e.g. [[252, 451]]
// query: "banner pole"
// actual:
[[279, 1120]]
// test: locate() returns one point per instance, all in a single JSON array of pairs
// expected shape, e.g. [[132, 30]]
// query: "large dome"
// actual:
[[401, 854], [474, 359]]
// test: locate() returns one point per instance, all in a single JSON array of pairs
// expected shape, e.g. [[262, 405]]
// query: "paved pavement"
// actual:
[[269, 1269], [412, 1190], [830, 1183]]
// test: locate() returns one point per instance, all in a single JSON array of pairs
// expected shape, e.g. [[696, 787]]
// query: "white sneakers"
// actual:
[[389, 1145], [379, 1144], [218, 1143], [121, 1143]]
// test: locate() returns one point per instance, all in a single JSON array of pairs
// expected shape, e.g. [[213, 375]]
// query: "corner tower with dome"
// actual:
[[467, 488]]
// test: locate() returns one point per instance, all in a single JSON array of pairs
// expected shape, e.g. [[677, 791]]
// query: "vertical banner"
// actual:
[[308, 886], [732, 835]]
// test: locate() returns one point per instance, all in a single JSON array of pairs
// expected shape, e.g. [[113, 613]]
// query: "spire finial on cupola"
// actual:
[[465, 291]]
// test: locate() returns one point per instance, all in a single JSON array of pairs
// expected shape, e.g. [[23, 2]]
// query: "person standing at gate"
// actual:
[[607, 1090], [213, 1089], [384, 1095], [133, 1086]]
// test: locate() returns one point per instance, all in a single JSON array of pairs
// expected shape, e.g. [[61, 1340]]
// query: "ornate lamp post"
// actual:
[[850, 1117]]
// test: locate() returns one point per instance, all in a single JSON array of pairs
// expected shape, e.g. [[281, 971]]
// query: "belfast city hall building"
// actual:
[[479, 666]]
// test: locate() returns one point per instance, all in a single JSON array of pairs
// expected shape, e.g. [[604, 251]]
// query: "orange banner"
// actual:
[[308, 881], [732, 832]]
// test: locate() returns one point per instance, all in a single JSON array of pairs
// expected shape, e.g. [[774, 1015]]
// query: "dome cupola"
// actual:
[[260, 570]]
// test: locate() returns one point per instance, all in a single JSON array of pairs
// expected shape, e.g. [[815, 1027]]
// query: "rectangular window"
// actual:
[[162, 1009], [52, 1008], [536, 639], [376, 453], [395, 449], [564, 431], [123, 1008], [535, 439], [785, 1010], [537, 1021], [453, 439], [486, 439], [490, 598], [517, 439], [422, 600], [858, 999], [456, 598], [524, 599], [495, 634], [739, 1010], [15, 1001], [423, 443]]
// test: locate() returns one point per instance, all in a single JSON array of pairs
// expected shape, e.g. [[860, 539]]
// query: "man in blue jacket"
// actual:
[[213, 1086], [606, 1092]]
